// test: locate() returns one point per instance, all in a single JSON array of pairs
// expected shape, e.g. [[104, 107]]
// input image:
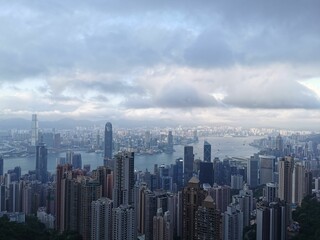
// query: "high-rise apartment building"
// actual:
[[62, 172], [123, 179], [236, 181], [270, 192], [263, 222], [285, 169], [41, 163], [90, 191], [140, 209], [101, 220], [162, 227], [244, 202], [271, 221], [278, 220], [150, 210], [14, 197], [232, 223], [105, 177], [302, 180], [123, 223], [207, 221], [188, 163], [221, 195], [108, 146], [193, 196]]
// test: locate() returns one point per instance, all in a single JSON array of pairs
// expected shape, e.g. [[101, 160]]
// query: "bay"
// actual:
[[220, 146]]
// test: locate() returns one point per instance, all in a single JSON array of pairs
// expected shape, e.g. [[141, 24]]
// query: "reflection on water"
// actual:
[[220, 147]]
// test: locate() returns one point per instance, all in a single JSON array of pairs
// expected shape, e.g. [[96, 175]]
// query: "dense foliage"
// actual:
[[308, 216], [31, 230], [249, 233]]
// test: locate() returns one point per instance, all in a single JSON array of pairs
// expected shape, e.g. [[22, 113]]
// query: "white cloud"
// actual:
[[181, 60]]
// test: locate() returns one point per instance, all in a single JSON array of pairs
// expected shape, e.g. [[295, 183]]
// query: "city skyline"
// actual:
[[249, 64]]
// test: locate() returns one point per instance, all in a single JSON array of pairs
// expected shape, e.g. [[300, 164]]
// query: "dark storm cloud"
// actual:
[[42, 37], [208, 50]]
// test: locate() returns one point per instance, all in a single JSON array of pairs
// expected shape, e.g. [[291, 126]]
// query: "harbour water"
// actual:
[[220, 147]]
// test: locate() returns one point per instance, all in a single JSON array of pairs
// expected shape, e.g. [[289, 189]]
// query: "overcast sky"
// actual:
[[249, 63]]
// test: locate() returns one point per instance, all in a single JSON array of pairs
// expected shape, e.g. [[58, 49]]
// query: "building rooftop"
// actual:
[[194, 180]]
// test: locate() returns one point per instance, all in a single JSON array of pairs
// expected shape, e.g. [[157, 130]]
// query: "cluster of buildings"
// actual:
[[189, 199]]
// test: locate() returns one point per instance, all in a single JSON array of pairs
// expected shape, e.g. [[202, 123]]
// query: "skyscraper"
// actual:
[[206, 152], [170, 142], [279, 143], [123, 223], [278, 220], [232, 223], [104, 176], [285, 166], [108, 141], [76, 161], [252, 171], [193, 195], [208, 221], [147, 139], [90, 191], [244, 202], [188, 163], [150, 210], [266, 168], [123, 179], [206, 173], [140, 209], [162, 227], [1, 165], [41, 163], [221, 196], [177, 177], [299, 188], [270, 192], [263, 222], [34, 130], [60, 196], [14, 203], [101, 224]]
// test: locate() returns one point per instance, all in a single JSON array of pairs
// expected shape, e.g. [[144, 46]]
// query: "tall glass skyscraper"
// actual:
[[207, 152], [188, 163], [1, 165], [41, 163], [34, 130], [108, 141]]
